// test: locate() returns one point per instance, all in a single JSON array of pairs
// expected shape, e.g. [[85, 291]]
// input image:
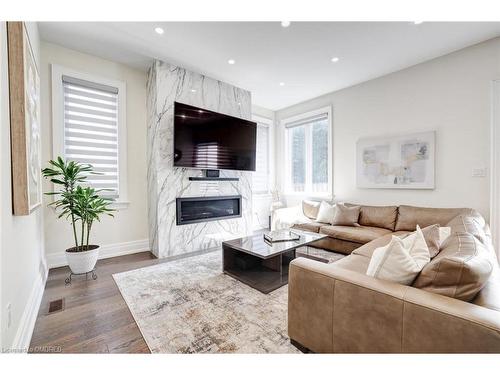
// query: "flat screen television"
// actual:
[[209, 140]]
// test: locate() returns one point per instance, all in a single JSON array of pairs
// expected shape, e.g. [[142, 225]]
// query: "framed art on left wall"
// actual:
[[24, 99]]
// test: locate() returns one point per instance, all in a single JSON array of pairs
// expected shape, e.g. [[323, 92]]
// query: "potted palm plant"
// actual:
[[81, 205]]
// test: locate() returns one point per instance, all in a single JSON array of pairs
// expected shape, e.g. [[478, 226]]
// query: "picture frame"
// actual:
[[404, 161], [25, 127]]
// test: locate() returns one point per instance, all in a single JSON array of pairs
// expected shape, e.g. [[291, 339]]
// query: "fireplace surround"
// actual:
[[166, 84], [192, 210]]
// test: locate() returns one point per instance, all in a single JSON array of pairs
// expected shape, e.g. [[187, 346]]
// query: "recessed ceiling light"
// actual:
[[200, 111], [159, 30], [285, 23], [193, 90], [282, 83], [418, 22], [231, 62], [335, 59]]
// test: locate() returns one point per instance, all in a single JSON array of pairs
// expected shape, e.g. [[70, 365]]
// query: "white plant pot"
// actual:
[[82, 261]]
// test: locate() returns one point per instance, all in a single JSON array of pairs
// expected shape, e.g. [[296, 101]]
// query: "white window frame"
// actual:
[[270, 153], [58, 72], [494, 165], [287, 170]]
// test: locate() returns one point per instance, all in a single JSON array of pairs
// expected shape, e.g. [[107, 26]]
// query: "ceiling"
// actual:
[[267, 54]]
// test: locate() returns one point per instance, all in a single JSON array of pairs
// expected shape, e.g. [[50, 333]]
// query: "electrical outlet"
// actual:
[[9, 315]]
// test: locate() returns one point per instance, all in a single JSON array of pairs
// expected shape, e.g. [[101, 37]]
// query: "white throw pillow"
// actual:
[[326, 213], [444, 233], [401, 260]]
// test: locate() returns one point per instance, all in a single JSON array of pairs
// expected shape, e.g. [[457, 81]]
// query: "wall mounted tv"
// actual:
[[209, 140]]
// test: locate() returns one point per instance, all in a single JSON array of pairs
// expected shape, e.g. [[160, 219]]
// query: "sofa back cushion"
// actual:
[[310, 209], [379, 216], [409, 216], [460, 270]]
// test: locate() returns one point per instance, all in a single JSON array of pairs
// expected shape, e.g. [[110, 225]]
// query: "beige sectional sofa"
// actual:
[[452, 306]]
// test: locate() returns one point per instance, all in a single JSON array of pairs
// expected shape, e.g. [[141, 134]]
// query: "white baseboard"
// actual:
[[106, 251], [24, 332]]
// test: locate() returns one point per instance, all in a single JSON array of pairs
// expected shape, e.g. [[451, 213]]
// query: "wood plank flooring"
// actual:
[[95, 318]]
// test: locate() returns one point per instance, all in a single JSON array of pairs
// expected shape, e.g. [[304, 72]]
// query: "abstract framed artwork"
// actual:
[[396, 162], [24, 99]]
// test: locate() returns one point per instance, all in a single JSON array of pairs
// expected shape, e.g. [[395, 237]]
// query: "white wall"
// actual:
[[23, 269], [451, 94], [128, 231]]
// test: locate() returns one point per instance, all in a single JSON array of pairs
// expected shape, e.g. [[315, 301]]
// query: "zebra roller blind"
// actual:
[[91, 130]]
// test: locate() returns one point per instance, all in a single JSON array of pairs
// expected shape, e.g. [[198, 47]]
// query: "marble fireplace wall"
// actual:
[[168, 83]]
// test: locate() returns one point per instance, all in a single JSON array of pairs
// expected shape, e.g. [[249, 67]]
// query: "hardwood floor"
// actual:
[[95, 318]]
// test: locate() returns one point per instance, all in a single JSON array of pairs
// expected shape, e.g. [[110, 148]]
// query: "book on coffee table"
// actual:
[[281, 236]]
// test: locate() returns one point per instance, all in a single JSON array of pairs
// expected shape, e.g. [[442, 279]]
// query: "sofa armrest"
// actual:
[[284, 218], [331, 309]]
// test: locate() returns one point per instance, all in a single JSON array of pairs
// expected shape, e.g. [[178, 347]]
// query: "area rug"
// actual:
[[189, 306]]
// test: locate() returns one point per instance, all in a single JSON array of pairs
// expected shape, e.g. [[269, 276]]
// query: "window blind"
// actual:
[[260, 178], [91, 130], [307, 120]]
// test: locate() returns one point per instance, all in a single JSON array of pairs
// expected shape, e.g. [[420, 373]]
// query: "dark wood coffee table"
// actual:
[[260, 264]]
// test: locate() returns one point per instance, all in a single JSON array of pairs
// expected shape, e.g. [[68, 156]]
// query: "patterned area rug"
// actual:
[[189, 306]]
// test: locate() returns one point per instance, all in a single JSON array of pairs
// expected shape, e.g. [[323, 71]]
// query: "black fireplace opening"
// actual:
[[200, 209]]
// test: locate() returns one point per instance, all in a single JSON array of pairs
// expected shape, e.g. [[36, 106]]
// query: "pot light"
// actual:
[[193, 90], [282, 83], [335, 59], [231, 62], [285, 23], [159, 30], [418, 22]]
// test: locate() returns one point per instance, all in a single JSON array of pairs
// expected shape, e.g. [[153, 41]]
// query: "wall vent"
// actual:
[[56, 305]]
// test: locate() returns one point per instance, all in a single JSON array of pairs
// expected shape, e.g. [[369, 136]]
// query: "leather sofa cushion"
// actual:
[[310, 209], [310, 227], [353, 262], [410, 216], [334, 244], [468, 224], [358, 234], [367, 249], [489, 296], [379, 216], [460, 270]]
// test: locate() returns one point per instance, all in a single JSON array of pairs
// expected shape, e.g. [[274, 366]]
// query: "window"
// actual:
[[261, 183], [308, 153], [89, 127]]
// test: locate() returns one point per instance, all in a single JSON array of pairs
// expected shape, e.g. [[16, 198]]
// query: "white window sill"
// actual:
[[120, 205], [117, 205], [305, 195]]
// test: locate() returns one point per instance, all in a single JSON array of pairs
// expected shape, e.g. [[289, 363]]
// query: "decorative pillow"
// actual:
[[310, 209], [326, 213], [444, 234], [401, 260], [347, 216], [460, 270], [431, 235]]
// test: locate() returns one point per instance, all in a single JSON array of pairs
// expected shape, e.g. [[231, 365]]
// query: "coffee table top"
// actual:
[[257, 246]]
